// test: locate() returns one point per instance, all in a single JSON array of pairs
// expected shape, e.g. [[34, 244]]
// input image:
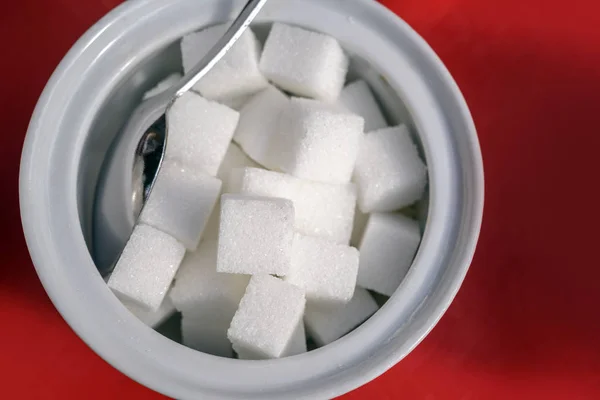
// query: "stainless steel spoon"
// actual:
[[148, 123]]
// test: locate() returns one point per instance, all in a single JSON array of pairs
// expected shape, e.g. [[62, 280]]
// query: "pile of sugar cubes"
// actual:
[[272, 170]]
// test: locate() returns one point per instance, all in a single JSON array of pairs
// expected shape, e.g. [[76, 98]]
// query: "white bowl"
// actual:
[[98, 84]]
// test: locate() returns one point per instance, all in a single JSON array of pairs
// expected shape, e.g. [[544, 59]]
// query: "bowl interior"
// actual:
[[115, 111]]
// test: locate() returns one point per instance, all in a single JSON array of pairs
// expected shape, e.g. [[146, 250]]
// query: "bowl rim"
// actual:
[[123, 341]]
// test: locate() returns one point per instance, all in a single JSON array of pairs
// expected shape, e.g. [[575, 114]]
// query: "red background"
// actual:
[[526, 323]]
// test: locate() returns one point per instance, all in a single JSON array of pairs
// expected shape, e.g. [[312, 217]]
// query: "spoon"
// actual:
[[148, 122]]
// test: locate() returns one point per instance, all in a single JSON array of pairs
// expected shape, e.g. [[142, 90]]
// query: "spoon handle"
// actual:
[[214, 55]]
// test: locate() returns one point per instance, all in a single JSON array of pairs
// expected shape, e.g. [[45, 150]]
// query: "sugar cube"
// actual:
[[163, 85], [236, 74], [199, 132], [387, 250], [150, 317], [267, 319], [305, 63], [236, 103], [255, 235], [200, 288], [318, 141], [211, 231], [206, 334], [296, 345], [324, 270], [389, 172], [234, 158], [181, 202], [358, 229], [207, 300], [147, 265], [259, 123], [358, 99], [326, 326], [422, 212], [322, 209]]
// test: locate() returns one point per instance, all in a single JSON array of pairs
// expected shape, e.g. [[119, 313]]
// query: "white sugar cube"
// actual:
[[326, 326], [211, 231], [236, 74], [389, 172], [206, 334], [150, 317], [358, 99], [267, 319], [200, 288], [207, 300], [147, 266], [296, 345], [259, 123], [163, 85], [358, 229], [236, 103], [318, 141], [388, 247], [234, 158], [322, 209], [324, 270], [199, 132], [305, 63], [255, 235], [181, 202]]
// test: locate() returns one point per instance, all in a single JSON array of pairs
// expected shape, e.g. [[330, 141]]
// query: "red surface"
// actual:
[[526, 323]]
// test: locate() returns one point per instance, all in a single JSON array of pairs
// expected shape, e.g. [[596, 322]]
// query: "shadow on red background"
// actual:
[[526, 323]]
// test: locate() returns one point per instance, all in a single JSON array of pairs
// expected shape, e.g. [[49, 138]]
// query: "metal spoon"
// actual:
[[148, 123]]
